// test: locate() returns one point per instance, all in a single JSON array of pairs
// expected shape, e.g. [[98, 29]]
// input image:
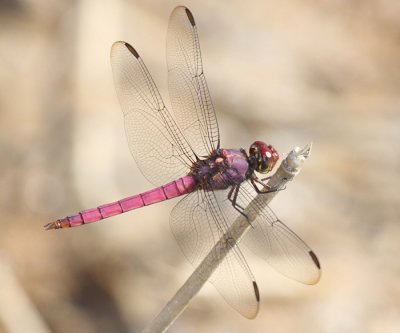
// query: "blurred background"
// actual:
[[287, 72]]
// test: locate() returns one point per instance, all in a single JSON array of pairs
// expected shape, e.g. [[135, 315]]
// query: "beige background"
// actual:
[[286, 72]]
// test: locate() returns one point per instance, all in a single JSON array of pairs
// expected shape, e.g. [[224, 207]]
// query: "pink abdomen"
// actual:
[[171, 190]]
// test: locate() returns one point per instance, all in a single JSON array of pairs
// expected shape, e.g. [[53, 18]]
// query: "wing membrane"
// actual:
[[158, 146], [190, 98], [273, 241], [197, 223]]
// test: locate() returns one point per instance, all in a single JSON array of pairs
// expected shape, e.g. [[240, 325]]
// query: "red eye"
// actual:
[[266, 156]]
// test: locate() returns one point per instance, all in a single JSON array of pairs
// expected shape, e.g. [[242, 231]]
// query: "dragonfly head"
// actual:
[[263, 157]]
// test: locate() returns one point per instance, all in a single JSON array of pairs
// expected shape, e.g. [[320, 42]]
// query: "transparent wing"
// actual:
[[198, 222], [273, 241], [188, 89], [155, 141]]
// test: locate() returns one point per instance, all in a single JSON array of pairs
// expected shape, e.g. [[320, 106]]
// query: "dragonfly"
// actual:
[[180, 154]]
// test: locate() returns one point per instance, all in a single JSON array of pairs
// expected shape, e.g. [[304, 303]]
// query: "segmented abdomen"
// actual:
[[171, 190]]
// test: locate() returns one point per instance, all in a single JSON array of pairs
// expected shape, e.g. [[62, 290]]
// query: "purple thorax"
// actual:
[[224, 168]]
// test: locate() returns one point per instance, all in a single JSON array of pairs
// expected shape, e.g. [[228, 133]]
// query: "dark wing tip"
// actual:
[[314, 259], [256, 291], [132, 50], [190, 17]]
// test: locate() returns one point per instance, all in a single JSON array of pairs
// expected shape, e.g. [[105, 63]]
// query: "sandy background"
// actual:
[[286, 72]]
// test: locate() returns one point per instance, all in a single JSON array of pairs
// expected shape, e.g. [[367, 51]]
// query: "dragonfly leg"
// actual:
[[265, 188], [232, 197], [235, 191]]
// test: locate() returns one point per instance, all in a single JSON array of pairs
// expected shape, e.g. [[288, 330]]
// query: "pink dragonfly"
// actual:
[[182, 156]]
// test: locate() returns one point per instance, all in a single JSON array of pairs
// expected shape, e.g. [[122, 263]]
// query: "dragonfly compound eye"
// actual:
[[263, 156]]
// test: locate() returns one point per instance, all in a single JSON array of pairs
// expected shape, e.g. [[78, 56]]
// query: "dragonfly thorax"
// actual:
[[262, 157], [222, 169]]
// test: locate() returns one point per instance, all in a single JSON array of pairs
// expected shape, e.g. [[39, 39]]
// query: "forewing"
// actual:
[[155, 141], [273, 241], [198, 223], [190, 98]]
